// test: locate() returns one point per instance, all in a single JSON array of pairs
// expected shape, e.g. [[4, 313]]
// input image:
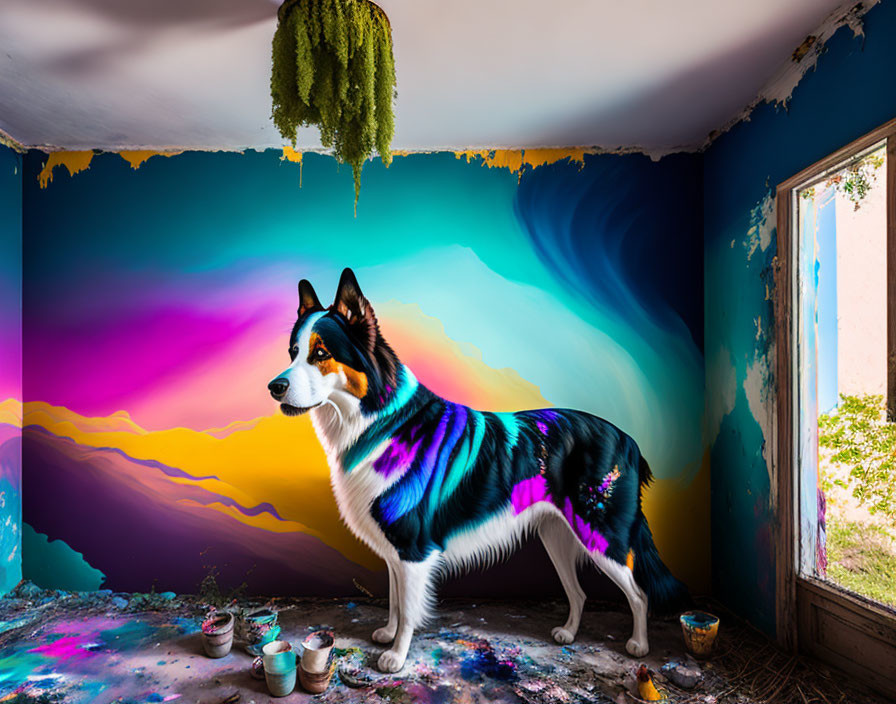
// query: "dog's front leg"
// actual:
[[413, 580], [386, 634]]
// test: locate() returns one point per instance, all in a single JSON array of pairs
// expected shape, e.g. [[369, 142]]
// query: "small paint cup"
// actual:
[[315, 682], [279, 667], [217, 634], [258, 628], [316, 649], [700, 630]]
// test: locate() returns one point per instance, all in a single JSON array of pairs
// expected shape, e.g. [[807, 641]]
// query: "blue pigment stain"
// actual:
[[484, 663]]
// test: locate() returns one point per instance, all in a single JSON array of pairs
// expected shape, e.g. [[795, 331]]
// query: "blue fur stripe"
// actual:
[[457, 429], [466, 456], [405, 494]]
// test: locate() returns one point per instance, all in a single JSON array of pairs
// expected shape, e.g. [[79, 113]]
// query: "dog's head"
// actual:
[[336, 350]]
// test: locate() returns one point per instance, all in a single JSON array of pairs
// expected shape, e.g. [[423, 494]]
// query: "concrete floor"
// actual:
[[100, 648]]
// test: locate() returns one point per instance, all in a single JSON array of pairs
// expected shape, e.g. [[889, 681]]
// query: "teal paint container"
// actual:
[[259, 627]]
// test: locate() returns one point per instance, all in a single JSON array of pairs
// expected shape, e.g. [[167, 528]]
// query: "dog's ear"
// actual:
[[355, 308], [307, 298]]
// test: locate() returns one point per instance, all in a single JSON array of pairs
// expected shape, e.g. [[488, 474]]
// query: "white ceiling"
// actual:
[[655, 74]]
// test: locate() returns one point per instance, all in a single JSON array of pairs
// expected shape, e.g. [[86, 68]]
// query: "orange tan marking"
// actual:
[[630, 560], [355, 381]]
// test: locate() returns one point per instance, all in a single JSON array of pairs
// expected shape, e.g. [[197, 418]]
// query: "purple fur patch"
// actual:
[[529, 492], [543, 427], [534, 489], [397, 457], [590, 537]]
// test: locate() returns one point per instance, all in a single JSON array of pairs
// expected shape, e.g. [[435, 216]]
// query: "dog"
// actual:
[[431, 485]]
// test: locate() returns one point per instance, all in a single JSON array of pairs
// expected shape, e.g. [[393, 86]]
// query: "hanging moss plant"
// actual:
[[333, 67]]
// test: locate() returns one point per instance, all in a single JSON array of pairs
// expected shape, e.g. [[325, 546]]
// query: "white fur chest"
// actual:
[[355, 491]]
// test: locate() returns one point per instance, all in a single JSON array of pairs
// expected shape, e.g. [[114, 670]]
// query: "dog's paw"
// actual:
[[637, 648], [390, 661], [562, 636], [383, 635]]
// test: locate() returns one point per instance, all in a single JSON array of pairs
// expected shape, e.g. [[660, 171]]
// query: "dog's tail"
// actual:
[[665, 594]]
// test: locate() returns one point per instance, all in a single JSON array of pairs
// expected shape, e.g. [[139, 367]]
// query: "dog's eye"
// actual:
[[319, 354], [293, 352]]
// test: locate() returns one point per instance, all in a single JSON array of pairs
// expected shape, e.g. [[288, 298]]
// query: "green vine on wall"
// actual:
[[333, 67]]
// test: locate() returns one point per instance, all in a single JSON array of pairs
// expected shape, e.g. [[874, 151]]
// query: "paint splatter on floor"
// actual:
[[98, 647]]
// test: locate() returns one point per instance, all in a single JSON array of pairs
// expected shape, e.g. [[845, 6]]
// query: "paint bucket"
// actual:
[[217, 634], [257, 628], [316, 649], [315, 682], [279, 667], [700, 630]]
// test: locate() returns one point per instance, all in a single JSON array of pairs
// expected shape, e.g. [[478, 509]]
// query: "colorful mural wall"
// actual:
[[159, 300], [10, 368], [834, 104]]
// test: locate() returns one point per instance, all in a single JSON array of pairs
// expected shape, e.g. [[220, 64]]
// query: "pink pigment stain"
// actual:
[[66, 648]]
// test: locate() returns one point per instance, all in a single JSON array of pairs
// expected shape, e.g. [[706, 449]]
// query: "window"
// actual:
[[836, 461]]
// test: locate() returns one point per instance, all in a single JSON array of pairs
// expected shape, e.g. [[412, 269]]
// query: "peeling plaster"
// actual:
[[514, 160], [13, 144], [759, 388], [763, 224], [721, 372], [779, 88]]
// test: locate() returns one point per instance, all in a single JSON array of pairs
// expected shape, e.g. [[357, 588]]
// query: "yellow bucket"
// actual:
[[700, 630]]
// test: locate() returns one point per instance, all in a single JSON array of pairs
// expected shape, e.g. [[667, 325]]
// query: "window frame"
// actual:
[[812, 615]]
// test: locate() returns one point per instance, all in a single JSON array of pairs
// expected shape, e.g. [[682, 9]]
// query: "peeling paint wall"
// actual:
[[174, 288], [846, 95], [10, 368]]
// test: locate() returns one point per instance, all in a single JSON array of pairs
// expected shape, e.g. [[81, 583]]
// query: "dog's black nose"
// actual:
[[278, 388]]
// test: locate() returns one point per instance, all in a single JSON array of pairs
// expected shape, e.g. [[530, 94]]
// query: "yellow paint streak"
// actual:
[[75, 162], [11, 412], [137, 157], [678, 515], [516, 160], [296, 476], [290, 154]]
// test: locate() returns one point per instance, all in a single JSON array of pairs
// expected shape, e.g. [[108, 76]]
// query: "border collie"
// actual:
[[431, 485]]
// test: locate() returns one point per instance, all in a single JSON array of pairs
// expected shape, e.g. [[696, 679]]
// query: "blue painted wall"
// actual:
[[10, 368], [847, 95]]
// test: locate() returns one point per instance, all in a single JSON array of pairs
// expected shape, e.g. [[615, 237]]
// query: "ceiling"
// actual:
[[652, 74]]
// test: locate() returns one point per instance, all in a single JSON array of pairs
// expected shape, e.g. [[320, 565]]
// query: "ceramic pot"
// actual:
[[315, 682], [217, 634], [316, 649], [258, 627], [700, 630], [279, 667]]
